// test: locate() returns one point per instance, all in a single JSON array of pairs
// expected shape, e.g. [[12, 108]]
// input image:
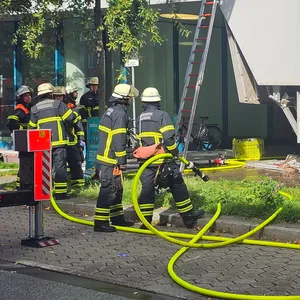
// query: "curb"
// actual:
[[225, 224]]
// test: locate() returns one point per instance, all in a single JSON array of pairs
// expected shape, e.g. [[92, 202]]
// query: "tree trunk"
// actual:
[[100, 51]]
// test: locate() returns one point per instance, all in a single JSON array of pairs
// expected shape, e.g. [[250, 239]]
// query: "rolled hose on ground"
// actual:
[[224, 241], [170, 234]]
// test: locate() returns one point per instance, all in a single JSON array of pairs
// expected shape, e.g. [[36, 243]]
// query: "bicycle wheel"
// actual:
[[211, 137]]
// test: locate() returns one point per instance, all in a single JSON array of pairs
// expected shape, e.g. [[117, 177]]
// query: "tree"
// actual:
[[127, 23]]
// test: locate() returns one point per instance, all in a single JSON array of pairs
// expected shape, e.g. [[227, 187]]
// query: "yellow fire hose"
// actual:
[[170, 236]]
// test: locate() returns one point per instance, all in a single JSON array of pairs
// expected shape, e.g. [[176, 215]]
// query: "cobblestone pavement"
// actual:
[[140, 261]]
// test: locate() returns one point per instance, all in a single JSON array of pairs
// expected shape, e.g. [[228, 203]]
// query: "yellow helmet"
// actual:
[[150, 94], [93, 80], [45, 88], [59, 90], [124, 90]]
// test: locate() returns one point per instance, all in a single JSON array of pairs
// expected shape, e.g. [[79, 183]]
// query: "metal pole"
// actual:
[[39, 220], [30, 210], [298, 117], [133, 102]]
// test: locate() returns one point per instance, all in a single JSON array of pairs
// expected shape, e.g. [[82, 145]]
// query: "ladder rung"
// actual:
[[188, 98], [186, 110], [201, 39], [204, 26], [206, 15], [193, 74], [209, 3], [195, 62], [199, 50], [191, 87]]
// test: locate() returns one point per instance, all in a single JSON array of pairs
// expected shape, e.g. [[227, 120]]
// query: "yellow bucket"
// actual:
[[248, 149]]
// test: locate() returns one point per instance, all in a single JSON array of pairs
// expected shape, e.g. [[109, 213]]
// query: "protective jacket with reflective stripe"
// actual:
[[51, 114], [19, 119], [75, 129], [113, 136], [155, 126], [89, 105]]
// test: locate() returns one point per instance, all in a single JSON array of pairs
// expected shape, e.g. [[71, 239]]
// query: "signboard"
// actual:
[[92, 140], [132, 63]]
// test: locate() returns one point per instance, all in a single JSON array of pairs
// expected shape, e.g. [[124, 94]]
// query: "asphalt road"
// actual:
[[19, 282]]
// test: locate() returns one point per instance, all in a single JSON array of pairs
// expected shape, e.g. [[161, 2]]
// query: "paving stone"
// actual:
[[141, 260]]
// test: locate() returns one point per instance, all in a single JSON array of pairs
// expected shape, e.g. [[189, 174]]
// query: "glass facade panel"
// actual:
[[37, 71], [6, 75]]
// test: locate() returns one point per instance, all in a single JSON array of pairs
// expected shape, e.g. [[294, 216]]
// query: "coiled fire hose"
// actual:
[[171, 236]]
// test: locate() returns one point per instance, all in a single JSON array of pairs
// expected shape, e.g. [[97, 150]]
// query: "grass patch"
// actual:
[[4, 165], [8, 173], [246, 198]]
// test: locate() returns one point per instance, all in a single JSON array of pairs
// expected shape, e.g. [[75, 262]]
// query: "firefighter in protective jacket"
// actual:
[[53, 114], [89, 102], [155, 126], [20, 117], [112, 159], [76, 141]]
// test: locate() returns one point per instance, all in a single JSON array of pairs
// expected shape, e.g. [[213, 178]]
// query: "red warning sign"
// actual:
[[39, 140], [42, 175]]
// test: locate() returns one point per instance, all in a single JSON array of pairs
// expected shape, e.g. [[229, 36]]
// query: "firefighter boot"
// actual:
[[191, 218], [149, 219], [121, 221], [103, 227]]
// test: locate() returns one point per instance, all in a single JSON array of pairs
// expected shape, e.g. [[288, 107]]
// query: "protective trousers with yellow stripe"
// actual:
[[176, 185], [109, 204], [60, 174]]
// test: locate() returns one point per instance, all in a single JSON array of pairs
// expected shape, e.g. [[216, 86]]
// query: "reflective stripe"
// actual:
[[150, 134], [104, 128], [67, 114], [106, 159], [166, 128], [102, 218], [84, 121], [59, 131], [96, 107], [77, 119], [184, 202], [12, 117], [80, 133], [119, 154], [116, 206], [32, 124], [50, 119], [107, 145], [102, 210], [147, 214], [143, 206], [172, 147], [117, 213], [119, 130], [59, 143], [186, 209]]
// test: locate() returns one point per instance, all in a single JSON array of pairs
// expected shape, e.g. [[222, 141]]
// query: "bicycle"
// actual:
[[208, 136]]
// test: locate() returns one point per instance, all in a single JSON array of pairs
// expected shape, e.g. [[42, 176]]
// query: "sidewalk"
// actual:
[[140, 261], [225, 224]]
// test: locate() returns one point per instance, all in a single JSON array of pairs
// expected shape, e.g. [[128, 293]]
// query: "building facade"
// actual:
[[70, 61]]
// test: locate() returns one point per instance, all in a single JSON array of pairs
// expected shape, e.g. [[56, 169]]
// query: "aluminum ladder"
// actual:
[[197, 60]]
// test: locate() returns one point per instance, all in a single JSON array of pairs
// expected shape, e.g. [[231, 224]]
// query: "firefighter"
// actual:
[[20, 117], [76, 142], [112, 159], [72, 95], [53, 114], [155, 126], [89, 102]]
